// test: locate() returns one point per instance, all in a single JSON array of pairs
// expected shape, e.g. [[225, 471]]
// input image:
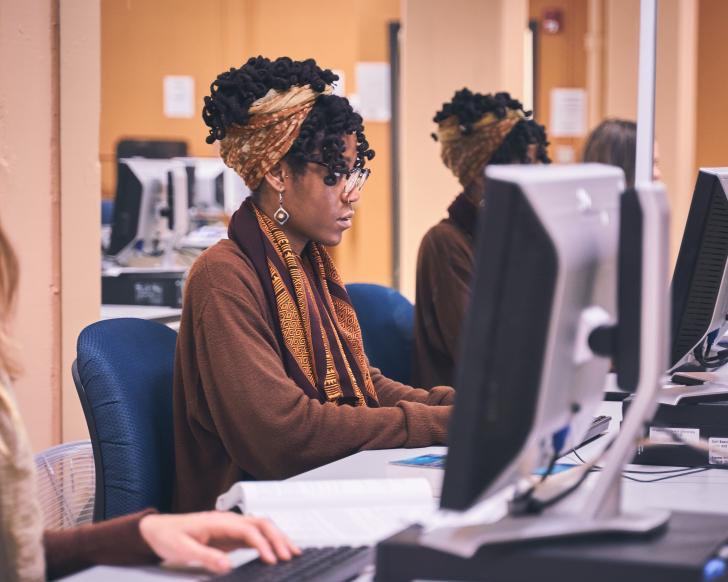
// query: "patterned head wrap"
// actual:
[[467, 153], [275, 123]]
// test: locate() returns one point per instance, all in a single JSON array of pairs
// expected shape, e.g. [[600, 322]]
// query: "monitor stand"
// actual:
[[695, 386]]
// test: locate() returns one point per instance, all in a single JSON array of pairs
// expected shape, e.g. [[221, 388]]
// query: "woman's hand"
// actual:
[[200, 539]]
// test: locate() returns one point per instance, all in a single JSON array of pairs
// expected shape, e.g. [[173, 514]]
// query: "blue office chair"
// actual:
[[387, 319], [107, 211], [123, 375]]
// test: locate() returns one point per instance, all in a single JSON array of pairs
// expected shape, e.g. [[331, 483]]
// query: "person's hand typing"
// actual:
[[202, 539]]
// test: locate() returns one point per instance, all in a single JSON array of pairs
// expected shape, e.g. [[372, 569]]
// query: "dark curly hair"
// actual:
[[470, 107], [321, 137]]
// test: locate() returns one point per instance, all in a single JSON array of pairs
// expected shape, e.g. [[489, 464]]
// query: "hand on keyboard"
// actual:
[[201, 539]]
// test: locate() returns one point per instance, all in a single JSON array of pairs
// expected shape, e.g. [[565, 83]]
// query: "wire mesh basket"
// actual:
[[66, 484]]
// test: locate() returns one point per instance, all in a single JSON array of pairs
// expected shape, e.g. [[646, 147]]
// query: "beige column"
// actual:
[[478, 44], [80, 105], [30, 202], [49, 197], [594, 46], [676, 107], [675, 93]]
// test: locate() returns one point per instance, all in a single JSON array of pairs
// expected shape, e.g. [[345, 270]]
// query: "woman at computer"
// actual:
[[27, 553], [271, 378], [474, 130]]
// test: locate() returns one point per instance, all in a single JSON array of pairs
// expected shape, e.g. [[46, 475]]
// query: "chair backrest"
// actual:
[[66, 484], [386, 319], [123, 374]]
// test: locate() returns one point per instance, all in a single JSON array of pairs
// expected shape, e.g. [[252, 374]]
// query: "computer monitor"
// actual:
[[546, 263], [157, 149], [150, 209], [546, 313], [700, 279], [213, 186]]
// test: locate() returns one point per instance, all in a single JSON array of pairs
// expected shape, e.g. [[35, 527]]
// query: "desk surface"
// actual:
[[700, 492], [167, 315]]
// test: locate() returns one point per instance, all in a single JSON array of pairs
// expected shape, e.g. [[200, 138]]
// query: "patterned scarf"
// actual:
[[318, 331], [467, 154]]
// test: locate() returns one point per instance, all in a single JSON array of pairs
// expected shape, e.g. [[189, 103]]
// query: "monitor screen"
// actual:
[[545, 275], [700, 281], [213, 186], [150, 208]]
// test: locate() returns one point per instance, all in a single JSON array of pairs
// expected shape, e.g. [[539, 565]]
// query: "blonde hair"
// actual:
[[9, 275]]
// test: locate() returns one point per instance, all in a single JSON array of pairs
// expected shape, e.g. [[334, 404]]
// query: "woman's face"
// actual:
[[318, 212]]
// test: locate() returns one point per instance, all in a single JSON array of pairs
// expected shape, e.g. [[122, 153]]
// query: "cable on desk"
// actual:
[[666, 473]]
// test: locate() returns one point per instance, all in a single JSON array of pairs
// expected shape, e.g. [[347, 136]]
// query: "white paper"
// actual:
[[373, 91], [340, 84], [718, 451], [661, 435], [349, 511], [179, 96], [568, 113], [354, 526]]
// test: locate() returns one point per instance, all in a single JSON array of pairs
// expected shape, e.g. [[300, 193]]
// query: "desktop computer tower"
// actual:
[[688, 422], [159, 288]]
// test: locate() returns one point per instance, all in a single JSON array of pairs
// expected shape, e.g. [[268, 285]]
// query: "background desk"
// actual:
[[700, 492], [170, 316]]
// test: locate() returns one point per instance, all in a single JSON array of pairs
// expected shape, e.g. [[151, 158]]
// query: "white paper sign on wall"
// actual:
[[179, 96], [568, 113], [373, 91]]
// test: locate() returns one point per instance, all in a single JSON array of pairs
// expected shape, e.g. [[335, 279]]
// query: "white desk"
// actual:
[[701, 492], [170, 316]]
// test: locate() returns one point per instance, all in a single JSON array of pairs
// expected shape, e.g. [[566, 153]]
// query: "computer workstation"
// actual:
[[554, 241], [554, 297], [166, 211], [694, 399]]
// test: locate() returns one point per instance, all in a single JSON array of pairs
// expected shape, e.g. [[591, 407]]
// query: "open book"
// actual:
[[334, 512]]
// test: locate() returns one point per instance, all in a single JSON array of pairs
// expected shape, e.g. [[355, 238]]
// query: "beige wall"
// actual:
[[49, 202], [439, 56], [139, 47]]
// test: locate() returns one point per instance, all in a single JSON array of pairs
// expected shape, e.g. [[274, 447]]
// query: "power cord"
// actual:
[[667, 473]]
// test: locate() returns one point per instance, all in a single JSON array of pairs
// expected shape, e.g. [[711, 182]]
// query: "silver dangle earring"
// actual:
[[281, 215]]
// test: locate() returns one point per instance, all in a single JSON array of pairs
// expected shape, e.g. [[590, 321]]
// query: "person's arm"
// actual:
[[269, 426], [391, 392], [113, 542], [193, 539]]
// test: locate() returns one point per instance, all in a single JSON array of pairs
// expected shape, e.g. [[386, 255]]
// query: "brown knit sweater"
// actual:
[[113, 542], [444, 271], [238, 416]]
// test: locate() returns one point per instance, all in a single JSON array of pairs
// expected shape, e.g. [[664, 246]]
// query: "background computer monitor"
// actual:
[[150, 209], [156, 149], [700, 280], [213, 186], [545, 277]]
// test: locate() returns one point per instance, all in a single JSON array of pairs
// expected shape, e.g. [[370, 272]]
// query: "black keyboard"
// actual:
[[337, 564]]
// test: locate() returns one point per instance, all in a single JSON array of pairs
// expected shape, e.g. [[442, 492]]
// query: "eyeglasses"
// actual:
[[356, 178]]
